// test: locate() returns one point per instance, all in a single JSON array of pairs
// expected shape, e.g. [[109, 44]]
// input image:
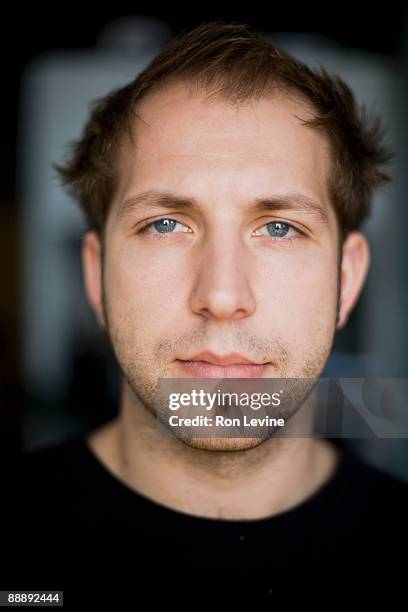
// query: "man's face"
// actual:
[[225, 277]]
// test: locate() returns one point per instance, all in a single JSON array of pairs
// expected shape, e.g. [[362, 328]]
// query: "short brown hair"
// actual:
[[236, 63]]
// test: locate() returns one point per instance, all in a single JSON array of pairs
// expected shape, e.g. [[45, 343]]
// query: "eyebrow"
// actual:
[[166, 199]]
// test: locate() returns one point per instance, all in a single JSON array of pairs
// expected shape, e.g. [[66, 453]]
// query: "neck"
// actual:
[[271, 478]]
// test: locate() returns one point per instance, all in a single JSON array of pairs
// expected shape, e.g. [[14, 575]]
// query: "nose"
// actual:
[[222, 288]]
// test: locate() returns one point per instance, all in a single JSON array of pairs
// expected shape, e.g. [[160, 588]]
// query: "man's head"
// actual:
[[246, 236]]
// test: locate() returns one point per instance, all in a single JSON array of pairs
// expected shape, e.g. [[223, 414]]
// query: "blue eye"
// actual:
[[166, 224], [162, 226], [278, 229]]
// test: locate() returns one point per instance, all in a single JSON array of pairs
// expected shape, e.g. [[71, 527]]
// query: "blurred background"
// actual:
[[58, 375]]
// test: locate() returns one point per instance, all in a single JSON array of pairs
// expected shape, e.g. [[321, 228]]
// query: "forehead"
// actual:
[[195, 144]]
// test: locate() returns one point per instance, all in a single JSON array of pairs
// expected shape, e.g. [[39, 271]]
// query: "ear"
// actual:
[[92, 267], [354, 269]]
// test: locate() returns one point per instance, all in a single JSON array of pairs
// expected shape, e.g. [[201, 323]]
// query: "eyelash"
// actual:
[[145, 227]]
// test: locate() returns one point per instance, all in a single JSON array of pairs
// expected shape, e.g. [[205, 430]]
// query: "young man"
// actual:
[[224, 190]]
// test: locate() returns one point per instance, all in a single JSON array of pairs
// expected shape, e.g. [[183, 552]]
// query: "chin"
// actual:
[[223, 444]]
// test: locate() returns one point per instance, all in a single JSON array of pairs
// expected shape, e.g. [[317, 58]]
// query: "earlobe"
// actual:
[[92, 267], [354, 269]]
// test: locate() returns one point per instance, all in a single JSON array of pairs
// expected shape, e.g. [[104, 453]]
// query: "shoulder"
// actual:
[[42, 476], [52, 458], [372, 494], [37, 508], [372, 478]]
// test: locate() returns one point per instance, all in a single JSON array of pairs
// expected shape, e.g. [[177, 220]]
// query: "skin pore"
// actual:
[[225, 279]]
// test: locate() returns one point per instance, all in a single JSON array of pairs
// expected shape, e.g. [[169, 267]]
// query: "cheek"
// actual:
[[144, 294], [302, 294]]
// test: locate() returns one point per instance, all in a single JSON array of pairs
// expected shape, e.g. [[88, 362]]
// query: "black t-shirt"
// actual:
[[69, 524]]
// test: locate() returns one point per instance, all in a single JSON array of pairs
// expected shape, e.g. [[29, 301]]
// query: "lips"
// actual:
[[231, 358], [210, 365]]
